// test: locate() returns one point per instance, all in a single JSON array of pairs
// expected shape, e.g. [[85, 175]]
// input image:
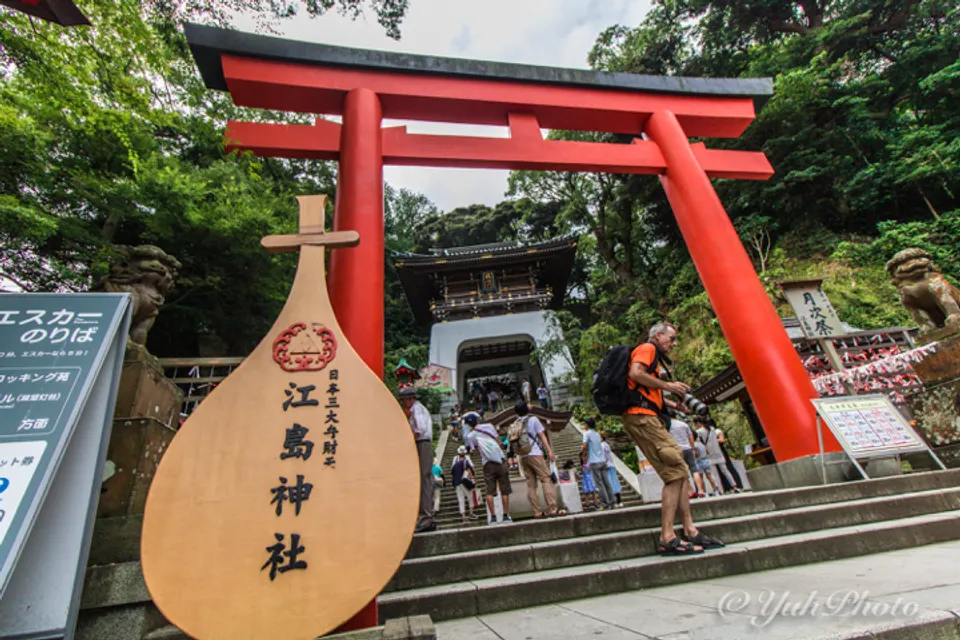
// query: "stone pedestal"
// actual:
[[520, 506], [944, 365], [651, 486], [937, 408], [949, 455], [807, 472], [145, 420]]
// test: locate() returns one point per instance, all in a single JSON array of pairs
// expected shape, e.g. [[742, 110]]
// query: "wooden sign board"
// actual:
[[817, 317], [288, 499], [869, 427]]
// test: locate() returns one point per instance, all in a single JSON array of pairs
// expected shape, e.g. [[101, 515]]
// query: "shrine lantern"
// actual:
[[406, 375]]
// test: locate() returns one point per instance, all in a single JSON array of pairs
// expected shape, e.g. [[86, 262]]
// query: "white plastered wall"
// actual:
[[447, 339]]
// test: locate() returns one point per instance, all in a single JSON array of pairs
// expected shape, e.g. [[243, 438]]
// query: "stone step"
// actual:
[[648, 516], [489, 595], [607, 547], [566, 445], [450, 514], [449, 502]]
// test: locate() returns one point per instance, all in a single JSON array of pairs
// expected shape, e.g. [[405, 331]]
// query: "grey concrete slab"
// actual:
[[693, 611], [817, 628], [465, 629], [880, 574], [648, 614], [554, 622], [943, 598], [511, 594], [115, 540], [114, 584], [720, 601], [439, 602]]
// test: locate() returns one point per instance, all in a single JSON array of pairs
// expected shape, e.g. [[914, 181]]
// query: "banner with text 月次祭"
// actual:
[[60, 362]]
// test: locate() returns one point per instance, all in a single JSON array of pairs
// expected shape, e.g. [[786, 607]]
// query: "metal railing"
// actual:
[[197, 377]]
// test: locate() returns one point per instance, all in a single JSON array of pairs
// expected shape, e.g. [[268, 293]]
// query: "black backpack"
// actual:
[[611, 393]]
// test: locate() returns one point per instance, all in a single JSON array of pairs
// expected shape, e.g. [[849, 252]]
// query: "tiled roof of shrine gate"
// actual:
[[498, 252], [419, 272], [209, 43]]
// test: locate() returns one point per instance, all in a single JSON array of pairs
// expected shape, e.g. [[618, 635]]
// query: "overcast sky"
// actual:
[[557, 33]]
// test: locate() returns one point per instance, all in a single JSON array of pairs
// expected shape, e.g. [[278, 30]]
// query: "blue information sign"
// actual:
[[53, 348]]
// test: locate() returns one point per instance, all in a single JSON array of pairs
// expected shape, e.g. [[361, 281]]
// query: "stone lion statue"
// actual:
[[933, 302], [147, 272]]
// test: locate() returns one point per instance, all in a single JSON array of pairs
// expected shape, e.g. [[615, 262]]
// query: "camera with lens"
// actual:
[[695, 405]]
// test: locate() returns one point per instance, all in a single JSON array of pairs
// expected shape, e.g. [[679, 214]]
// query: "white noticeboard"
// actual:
[[869, 427]]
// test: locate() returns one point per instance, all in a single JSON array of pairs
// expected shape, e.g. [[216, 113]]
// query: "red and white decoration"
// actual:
[[885, 369]]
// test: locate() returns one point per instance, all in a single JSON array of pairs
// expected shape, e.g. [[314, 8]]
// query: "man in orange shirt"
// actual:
[[643, 422]]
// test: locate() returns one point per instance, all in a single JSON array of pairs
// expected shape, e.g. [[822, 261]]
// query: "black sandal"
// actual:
[[677, 547], [703, 540]]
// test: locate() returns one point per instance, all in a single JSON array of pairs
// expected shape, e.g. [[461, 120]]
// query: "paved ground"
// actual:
[[912, 594]]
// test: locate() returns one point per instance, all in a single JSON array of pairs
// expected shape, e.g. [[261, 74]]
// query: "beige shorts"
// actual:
[[657, 445]]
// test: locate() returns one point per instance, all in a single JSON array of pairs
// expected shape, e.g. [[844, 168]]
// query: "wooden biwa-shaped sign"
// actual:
[[288, 499]]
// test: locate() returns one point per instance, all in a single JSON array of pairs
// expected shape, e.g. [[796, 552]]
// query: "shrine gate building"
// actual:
[[487, 306]]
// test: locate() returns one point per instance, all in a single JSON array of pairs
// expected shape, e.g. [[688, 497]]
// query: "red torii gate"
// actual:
[[663, 112]]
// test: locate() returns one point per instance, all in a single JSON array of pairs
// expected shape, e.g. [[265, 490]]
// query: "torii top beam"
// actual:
[[273, 73]]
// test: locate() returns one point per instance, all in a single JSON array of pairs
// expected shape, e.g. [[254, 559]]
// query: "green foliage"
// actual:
[[941, 237], [107, 136], [415, 355], [629, 457], [561, 327]]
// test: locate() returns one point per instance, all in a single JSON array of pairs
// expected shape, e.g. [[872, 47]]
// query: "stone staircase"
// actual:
[[566, 444], [474, 571], [468, 571]]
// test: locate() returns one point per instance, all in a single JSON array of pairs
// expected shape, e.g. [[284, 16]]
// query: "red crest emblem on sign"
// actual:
[[300, 348]]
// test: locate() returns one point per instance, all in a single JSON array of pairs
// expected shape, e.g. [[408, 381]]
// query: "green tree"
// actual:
[[109, 137], [403, 210]]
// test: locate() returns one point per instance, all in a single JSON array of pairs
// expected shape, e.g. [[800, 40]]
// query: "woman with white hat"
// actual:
[[464, 482]]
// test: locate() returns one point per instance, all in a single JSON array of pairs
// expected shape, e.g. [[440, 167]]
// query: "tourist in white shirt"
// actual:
[[422, 427], [542, 395], [612, 470], [495, 473], [707, 433], [535, 467], [682, 433]]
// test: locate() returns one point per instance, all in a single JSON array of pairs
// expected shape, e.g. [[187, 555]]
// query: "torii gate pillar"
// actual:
[[776, 379], [356, 276]]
